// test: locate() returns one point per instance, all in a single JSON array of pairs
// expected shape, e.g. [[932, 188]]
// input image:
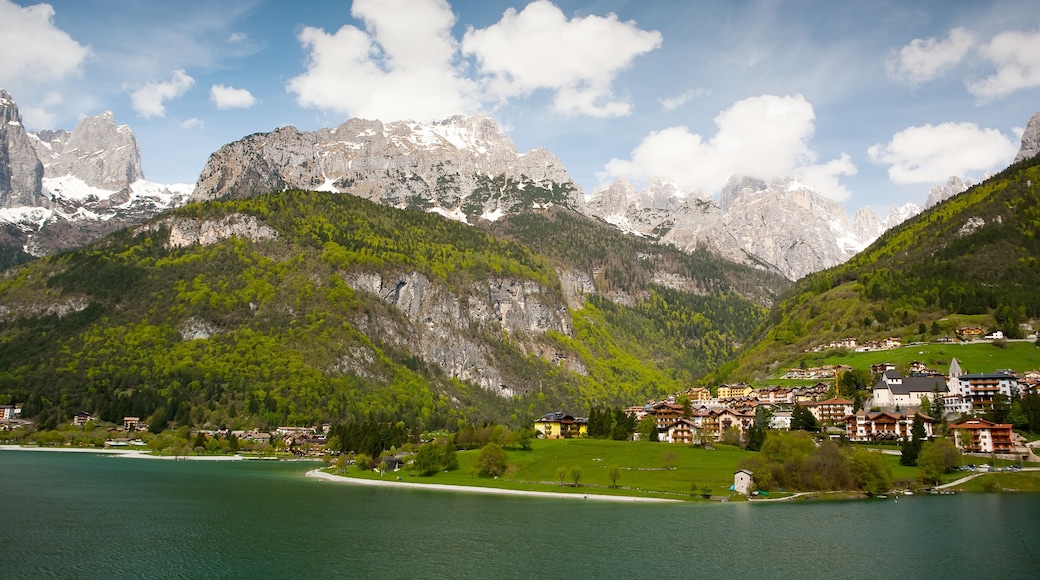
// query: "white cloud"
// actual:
[[933, 153], [1016, 56], [765, 137], [824, 178], [39, 115], [400, 66], [406, 63], [539, 48], [231, 98], [672, 103], [148, 100], [35, 51], [193, 123], [237, 37], [926, 59]]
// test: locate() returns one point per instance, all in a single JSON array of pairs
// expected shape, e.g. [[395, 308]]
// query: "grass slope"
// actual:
[[287, 341], [972, 258]]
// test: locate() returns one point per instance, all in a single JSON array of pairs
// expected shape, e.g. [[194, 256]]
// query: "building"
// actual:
[[743, 482], [982, 436], [981, 389], [831, 411], [8, 412], [82, 418], [560, 425], [884, 426], [665, 414], [775, 395], [680, 431], [894, 391], [735, 391], [698, 395], [780, 420], [131, 423], [728, 418]]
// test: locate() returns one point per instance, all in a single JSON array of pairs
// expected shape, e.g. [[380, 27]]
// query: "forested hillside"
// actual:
[[272, 325], [972, 258]]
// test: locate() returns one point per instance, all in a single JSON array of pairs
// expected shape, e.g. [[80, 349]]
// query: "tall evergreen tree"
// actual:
[[911, 446]]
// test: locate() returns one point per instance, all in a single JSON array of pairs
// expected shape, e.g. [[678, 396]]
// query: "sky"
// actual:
[[871, 103]]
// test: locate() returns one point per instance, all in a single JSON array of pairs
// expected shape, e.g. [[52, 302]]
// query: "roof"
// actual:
[[836, 401], [987, 376], [980, 424], [911, 384]]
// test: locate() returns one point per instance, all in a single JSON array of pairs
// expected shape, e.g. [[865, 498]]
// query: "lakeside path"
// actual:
[[318, 474], [131, 453]]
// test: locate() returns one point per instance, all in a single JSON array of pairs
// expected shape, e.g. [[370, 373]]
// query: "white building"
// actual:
[[896, 391]]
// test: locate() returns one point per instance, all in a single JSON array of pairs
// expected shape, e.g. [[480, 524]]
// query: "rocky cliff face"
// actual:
[[940, 193], [21, 172], [1030, 140], [63, 189], [446, 329], [98, 152], [781, 224], [463, 167]]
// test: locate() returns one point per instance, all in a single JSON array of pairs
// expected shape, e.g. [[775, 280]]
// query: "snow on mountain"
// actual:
[[464, 168], [782, 223], [62, 189]]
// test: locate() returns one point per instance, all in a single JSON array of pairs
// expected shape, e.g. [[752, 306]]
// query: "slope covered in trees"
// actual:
[[973, 257], [263, 332]]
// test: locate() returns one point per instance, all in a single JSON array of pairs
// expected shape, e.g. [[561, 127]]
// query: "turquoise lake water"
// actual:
[[93, 516]]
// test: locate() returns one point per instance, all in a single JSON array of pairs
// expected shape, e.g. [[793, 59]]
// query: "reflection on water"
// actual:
[[92, 516]]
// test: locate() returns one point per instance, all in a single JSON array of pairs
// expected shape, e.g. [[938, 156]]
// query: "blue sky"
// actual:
[[870, 102]]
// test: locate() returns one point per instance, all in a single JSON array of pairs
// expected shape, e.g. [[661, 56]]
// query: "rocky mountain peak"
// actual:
[[104, 155], [940, 192], [21, 172], [65, 189], [1030, 140], [462, 167]]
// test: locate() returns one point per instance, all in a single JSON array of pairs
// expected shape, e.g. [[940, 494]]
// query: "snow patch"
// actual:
[[455, 214], [493, 216], [328, 185], [72, 188], [26, 218]]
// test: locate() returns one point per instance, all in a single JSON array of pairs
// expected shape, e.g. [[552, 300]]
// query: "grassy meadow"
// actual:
[[976, 357], [646, 469]]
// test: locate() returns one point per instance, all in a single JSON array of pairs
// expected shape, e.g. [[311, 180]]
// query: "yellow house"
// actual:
[[735, 391], [698, 395], [560, 425]]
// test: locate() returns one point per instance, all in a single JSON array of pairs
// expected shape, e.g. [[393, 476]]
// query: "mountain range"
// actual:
[[311, 276], [60, 190]]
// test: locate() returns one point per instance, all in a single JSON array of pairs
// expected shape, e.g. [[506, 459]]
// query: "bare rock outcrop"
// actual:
[[1030, 139], [206, 232], [21, 172], [442, 326], [463, 167]]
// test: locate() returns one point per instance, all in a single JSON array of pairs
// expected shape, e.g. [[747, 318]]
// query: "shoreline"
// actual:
[[319, 474], [129, 453]]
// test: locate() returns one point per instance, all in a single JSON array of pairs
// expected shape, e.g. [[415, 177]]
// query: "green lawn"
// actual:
[[975, 358], [1020, 481], [643, 465]]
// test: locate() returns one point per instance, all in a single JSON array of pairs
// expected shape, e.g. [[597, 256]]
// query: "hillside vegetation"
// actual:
[[262, 333], [972, 257]]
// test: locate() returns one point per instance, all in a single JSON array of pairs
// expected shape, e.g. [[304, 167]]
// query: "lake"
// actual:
[[71, 515]]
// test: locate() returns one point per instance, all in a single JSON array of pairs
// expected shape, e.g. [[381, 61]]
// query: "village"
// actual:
[[699, 416], [956, 398]]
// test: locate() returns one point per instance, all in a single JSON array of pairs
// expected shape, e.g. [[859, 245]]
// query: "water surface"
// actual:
[[93, 516]]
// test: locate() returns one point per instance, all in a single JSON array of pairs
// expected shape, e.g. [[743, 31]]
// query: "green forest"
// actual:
[[108, 328]]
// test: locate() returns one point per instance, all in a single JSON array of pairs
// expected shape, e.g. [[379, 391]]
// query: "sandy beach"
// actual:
[[317, 473], [131, 453]]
